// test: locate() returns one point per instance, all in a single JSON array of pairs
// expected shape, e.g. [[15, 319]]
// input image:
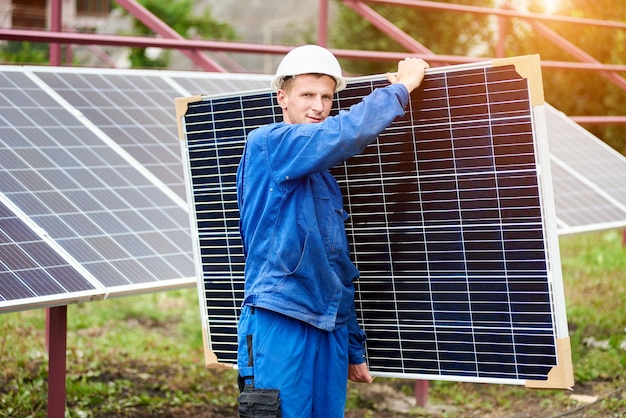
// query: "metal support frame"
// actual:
[[194, 48], [322, 24], [56, 25]]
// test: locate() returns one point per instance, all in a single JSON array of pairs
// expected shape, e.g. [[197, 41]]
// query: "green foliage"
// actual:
[[181, 17], [581, 92], [24, 53], [451, 33], [441, 32], [593, 269]]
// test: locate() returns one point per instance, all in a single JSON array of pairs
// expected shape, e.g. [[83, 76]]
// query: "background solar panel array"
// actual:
[[589, 178], [447, 228], [130, 112], [91, 174]]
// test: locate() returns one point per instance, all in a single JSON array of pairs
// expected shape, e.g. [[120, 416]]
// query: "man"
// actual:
[[298, 332]]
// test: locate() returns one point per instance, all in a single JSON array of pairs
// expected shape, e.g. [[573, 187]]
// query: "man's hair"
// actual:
[[288, 80]]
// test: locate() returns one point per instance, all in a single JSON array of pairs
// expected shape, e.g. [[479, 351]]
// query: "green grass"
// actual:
[[594, 274], [130, 355], [142, 356]]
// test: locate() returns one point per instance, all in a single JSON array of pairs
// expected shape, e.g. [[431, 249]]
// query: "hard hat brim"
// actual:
[[277, 82]]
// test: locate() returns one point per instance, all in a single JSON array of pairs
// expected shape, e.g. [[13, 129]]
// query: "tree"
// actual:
[[442, 32], [180, 16], [581, 92], [24, 53], [454, 33]]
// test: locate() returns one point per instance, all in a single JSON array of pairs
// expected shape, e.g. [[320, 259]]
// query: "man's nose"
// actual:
[[318, 104]]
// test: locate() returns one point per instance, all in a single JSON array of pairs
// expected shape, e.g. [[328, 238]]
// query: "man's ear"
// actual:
[[281, 98]]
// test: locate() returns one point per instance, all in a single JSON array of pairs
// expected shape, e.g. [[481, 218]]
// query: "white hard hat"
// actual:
[[309, 59]]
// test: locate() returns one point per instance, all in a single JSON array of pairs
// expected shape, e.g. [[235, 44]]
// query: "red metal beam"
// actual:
[[576, 52], [138, 41], [419, 4], [599, 120], [190, 44], [532, 18], [387, 27], [583, 66], [322, 24], [240, 47], [159, 27]]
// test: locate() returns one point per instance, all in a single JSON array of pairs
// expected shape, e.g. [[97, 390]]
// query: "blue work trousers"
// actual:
[[307, 365]]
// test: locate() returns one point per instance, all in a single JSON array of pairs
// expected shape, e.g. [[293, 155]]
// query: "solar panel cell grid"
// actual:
[[29, 267], [130, 109], [589, 187]]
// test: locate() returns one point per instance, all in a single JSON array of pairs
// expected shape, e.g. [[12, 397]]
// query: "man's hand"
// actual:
[[359, 373], [410, 73]]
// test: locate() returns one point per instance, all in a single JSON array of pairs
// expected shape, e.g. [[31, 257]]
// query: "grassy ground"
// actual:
[[142, 357]]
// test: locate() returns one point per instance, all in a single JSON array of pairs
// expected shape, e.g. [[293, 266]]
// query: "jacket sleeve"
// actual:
[[297, 150], [356, 340]]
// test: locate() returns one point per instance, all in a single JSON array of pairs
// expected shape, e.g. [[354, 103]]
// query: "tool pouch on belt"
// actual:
[[259, 403]]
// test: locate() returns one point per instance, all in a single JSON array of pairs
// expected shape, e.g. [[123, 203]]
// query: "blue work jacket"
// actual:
[[292, 216]]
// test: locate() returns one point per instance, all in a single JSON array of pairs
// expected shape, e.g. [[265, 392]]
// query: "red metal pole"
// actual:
[[500, 48], [56, 331], [241, 47], [436, 5], [421, 393], [599, 120], [322, 25], [56, 8]]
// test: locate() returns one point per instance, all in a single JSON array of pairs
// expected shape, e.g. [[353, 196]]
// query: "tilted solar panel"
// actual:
[[589, 178], [452, 226], [91, 163], [108, 218]]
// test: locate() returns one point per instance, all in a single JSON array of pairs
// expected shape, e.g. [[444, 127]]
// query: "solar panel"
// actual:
[[452, 226], [104, 212], [133, 108], [91, 163], [589, 178]]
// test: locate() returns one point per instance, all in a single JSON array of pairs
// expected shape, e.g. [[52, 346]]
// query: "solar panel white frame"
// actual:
[[213, 131]]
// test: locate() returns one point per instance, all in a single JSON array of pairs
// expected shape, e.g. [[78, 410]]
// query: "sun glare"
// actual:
[[551, 6], [548, 6]]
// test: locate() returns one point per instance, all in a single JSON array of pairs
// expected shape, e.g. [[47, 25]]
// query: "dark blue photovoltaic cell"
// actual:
[[446, 228], [215, 133], [29, 267]]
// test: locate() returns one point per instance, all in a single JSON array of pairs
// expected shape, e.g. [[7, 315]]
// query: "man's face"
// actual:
[[308, 98]]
